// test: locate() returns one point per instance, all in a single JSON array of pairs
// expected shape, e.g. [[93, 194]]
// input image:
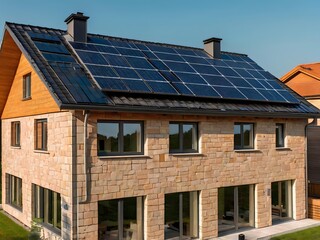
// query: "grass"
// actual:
[[308, 234], [9, 230]]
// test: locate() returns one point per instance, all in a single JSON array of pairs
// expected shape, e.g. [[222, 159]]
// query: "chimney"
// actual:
[[77, 26], [213, 47]]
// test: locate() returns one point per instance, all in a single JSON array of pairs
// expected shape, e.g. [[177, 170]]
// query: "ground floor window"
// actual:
[[120, 219], [46, 206], [235, 207], [14, 191], [281, 193], [182, 215]]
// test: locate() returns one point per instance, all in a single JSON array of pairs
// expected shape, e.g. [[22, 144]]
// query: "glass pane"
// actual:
[[58, 211], [171, 228], [39, 135], [108, 220], [190, 214], [132, 137], [226, 209], [44, 134], [174, 140], [130, 226], [237, 136], [246, 206], [279, 135], [189, 137], [50, 205], [276, 211], [108, 138], [247, 135]]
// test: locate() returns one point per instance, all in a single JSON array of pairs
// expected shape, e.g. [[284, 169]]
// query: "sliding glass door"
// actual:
[[281, 200]]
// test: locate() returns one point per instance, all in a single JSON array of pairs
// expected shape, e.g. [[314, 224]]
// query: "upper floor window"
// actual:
[[27, 86], [41, 130], [120, 138], [183, 137], [243, 136], [14, 191], [46, 206], [15, 134], [280, 135]]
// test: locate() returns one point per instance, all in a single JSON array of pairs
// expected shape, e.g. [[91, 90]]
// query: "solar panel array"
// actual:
[[129, 66]]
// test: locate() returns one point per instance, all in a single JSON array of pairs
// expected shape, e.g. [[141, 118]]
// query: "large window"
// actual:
[[279, 135], [120, 219], [46, 206], [41, 130], [120, 138], [15, 134], [243, 136], [14, 191], [26, 86], [183, 137], [181, 215]]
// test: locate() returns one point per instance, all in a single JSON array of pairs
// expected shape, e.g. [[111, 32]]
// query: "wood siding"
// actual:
[[9, 59], [314, 208], [41, 100], [313, 154]]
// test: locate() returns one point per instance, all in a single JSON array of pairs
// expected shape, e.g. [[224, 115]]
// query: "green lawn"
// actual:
[[9, 230], [308, 234]]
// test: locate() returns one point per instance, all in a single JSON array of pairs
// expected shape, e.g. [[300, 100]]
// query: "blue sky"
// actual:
[[277, 34]]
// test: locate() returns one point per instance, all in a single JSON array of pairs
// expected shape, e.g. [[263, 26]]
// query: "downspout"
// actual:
[[85, 167], [313, 123]]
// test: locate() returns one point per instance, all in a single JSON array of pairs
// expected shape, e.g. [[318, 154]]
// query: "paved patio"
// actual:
[[268, 232]]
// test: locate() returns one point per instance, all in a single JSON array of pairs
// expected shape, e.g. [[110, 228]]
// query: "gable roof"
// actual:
[[73, 82], [311, 69]]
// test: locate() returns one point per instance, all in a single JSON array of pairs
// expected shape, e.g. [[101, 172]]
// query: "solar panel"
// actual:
[[51, 47], [44, 37], [51, 57], [164, 69]]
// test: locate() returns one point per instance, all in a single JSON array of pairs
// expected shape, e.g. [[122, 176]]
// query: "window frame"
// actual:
[[181, 150], [44, 134], [252, 135], [282, 135], [26, 86], [41, 207], [14, 191], [15, 134], [121, 151]]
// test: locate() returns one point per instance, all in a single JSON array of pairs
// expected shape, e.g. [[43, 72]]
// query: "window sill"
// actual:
[[15, 147], [123, 156], [186, 154], [283, 149], [247, 150], [15, 207], [41, 151], [50, 228]]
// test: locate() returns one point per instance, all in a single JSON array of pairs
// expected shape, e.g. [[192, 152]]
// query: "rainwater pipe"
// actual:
[[85, 167]]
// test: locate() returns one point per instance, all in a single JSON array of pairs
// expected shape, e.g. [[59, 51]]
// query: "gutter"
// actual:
[[313, 123], [217, 112], [85, 162]]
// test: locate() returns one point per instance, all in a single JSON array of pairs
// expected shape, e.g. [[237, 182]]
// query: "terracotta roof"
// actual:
[[311, 69]]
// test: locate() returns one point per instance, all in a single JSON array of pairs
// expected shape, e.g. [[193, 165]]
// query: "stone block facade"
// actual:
[[156, 172]]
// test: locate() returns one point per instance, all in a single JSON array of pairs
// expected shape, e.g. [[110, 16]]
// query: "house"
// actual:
[[113, 138], [305, 80]]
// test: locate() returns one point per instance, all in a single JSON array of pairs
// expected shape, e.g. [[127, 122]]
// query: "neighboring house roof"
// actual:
[[72, 73], [311, 69]]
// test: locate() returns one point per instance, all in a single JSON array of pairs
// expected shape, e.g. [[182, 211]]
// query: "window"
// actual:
[[41, 134], [120, 138], [46, 206], [15, 134], [181, 215], [243, 136], [279, 135], [121, 219], [14, 188], [183, 137], [27, 86]]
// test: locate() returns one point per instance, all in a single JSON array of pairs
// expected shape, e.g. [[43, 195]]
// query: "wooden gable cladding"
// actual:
[[41, 100], [304, 84], [9, 59]]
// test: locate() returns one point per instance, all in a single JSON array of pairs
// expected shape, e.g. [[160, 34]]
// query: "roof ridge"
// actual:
[[33, 26]]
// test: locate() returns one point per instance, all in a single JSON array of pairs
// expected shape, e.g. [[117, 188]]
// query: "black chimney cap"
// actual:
[[213, 39], [78, 16]]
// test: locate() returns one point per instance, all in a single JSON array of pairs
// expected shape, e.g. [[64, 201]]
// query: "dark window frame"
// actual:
[[41, 144], [44, 200], [121, 151], [278, 140], [26, 86], [14, 195], [181, 150], [15, 134], [252, 136]]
